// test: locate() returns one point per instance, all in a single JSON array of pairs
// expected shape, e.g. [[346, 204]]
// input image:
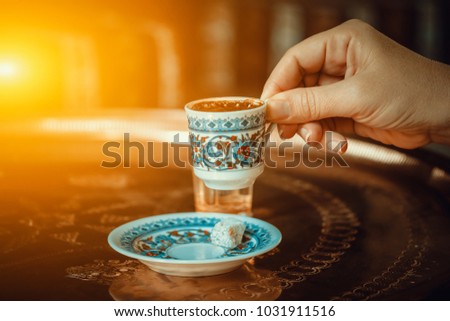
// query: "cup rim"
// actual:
[[251, 110]]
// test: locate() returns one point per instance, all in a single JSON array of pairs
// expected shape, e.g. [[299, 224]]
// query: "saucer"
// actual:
[[179, 243]]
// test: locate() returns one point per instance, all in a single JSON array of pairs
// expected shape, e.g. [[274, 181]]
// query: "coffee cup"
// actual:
[[227, 137]]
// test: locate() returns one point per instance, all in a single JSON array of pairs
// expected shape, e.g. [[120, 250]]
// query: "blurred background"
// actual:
[[58, 56]]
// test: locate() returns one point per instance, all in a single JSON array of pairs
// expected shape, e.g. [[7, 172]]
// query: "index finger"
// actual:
[[325, 52]]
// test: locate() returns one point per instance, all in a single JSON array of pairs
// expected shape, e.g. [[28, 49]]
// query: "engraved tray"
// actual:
[[376, 230]]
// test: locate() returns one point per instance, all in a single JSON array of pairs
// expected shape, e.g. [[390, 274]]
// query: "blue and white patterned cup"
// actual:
[[227, 146]]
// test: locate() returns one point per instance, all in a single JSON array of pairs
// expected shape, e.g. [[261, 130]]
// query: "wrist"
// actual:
[[440, 103]]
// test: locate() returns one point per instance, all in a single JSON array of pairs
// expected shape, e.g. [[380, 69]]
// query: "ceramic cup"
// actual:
[[228, 146]]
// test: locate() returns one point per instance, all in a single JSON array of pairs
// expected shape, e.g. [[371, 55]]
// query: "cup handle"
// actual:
[[269, 129]]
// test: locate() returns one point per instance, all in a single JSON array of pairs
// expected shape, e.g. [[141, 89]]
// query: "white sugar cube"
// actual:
[[228, 233]]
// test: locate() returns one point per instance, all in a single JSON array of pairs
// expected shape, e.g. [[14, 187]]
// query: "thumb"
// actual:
[[306, 104]]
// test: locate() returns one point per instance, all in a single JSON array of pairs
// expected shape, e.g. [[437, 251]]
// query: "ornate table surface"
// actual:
[[378, 229]]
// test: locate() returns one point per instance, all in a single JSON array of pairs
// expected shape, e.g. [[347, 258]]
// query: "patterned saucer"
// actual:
[[179, 243]]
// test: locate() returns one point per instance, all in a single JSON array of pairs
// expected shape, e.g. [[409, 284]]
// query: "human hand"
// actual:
[[354, 80]]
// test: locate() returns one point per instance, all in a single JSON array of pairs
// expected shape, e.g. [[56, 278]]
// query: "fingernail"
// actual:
[[280, 133], [278, 109], [337, 146], [305, 134], [343, 148]]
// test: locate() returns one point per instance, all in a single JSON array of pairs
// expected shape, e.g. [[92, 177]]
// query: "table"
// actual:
[[376, 230]]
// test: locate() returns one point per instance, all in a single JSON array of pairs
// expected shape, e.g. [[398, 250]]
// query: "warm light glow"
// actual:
[[7, 69], [30, 76]]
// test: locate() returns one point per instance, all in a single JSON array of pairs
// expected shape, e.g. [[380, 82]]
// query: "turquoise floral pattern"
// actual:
[[224, 152], [153, 239], [156, 245]]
